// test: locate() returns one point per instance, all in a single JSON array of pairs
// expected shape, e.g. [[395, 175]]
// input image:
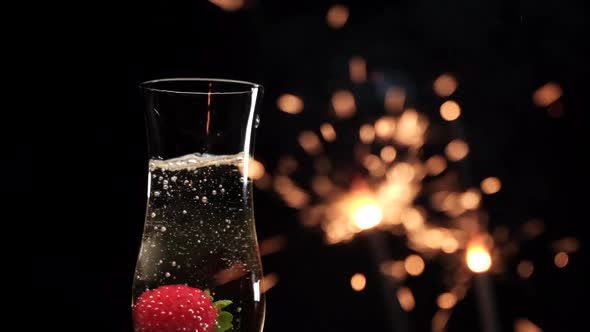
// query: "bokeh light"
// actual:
[[446, 300], [337, 16], [406, 299], [290, 103], [547, 94], [328, 132], [525, 269], [358, 282], [456, 150], [358, 69], [343, 104], [450, 110], [367, 133], [436, 165], [445, 85], [414, 265], [394, 99], [310, 142], [478, 258], [490, 185], [229, 5], [561, 259]]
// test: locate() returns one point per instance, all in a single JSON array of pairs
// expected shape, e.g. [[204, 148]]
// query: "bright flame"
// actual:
[[406, 299], [478, 258], [358, 282], [290, 103], [337, 16], [445, 85], [358, 69], [450, 110], [490, 185], [343, 103], [366, 213]]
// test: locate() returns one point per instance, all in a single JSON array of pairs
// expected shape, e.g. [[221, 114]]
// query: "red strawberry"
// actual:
[[174, 308]]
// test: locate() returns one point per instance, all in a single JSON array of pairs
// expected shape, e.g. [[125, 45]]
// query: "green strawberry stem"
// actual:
[[224, 318]]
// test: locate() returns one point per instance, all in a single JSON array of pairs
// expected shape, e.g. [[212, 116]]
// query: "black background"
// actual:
[[78, 67]]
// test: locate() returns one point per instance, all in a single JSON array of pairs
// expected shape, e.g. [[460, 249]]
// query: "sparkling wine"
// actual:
[[199, 231]]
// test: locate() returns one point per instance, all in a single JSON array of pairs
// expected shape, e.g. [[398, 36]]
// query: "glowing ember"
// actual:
[[450, 110], [343, 104], [478, 258], [445, 85], [289, 103], [358, 282], [456, 150], [406, 299], [358, 69], [490, 185], [337, 16]]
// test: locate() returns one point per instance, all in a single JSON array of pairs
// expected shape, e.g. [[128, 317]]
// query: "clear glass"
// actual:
[[199, 242]]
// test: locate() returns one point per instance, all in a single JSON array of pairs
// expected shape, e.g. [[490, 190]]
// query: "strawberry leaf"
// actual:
[[208, 292], [222, 304], [224, 321]]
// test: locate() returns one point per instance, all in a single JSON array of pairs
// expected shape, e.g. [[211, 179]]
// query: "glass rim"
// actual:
[[243, 86]]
